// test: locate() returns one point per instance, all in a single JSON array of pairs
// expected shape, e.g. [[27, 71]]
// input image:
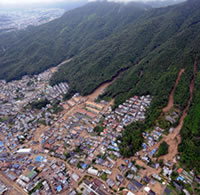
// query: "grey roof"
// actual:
[[137, 184], [146, 179], [110, 182], [178, 187], [132, 187], [87, 182], [152, 193], [167, 191], [100, 192]]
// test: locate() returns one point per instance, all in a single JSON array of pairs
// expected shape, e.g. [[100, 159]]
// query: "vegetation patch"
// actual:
[[39, 104], [104, 176], [98, 129], [163, 149], [132, 139], [190, 133]]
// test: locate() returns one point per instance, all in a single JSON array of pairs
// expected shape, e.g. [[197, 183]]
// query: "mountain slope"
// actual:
[[34, 50], [155, 36]]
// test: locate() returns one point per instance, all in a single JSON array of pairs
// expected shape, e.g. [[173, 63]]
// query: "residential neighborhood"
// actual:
[[49, 145], [18, 19]]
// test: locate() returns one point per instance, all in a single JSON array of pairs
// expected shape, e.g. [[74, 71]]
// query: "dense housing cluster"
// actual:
[[76, 149]]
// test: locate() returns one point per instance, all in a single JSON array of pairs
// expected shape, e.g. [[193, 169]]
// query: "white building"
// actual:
[[93, 171], [24, 151]]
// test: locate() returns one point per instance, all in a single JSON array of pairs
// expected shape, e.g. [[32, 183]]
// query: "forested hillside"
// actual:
[[38, 48], [190, 133]]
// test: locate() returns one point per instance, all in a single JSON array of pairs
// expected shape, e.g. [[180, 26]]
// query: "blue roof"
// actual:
[[113, 148], [154, 151], [84, 166], [59, 188], [43, 141], [180, 178], [19, 159], [130, 164], [39, 159], [16, 166], [144, 145]]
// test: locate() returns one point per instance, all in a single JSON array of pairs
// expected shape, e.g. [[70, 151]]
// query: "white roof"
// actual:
[[24, 150], [92, 171], [130, 193], [147, 189]]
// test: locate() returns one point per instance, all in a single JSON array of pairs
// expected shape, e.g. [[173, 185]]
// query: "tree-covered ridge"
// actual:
[[37, 48], [146, 46], [190, 133]]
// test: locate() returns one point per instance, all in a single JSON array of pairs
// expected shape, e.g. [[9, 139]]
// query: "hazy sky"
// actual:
[[30, 1], [48, 1]]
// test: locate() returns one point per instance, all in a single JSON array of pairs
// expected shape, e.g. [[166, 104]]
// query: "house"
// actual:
[[186, 192], [152, 193], [32, 175], [130, 176], [119, 178], [178, 186], [87, 182], [137, 184], [167, 191], [166, 171], [134, 168], [94, 105], [180, 170], [92, 171], [197, 179], [97, 182], [132, 187], [11, 177], [130, 193], [3, 188], [110, 182], [122, 168], [155, 176], [75, 177], [146, 179], [100, 192], [59, 188], [73, 192], [24, 151]]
